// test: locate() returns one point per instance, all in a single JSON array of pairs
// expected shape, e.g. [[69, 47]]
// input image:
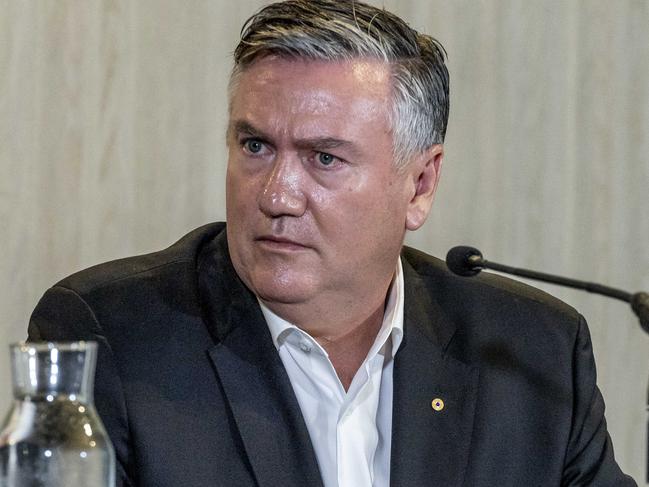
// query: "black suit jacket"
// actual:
[[193, 393]]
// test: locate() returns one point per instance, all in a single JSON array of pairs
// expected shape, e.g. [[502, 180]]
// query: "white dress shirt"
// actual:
[[350, 430]]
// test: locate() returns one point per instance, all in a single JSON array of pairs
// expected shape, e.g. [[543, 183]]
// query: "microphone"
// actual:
[[468, 261]]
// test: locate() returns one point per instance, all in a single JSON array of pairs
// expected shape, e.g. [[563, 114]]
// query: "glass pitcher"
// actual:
[[52, 436]]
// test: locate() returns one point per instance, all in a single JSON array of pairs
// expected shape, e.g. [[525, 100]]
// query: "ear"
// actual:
[[425, 172]]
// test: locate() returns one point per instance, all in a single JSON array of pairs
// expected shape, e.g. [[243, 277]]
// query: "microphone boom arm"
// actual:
[[468, 261], [591, 287]]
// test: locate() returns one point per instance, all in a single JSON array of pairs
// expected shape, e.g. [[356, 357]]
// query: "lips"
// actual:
[[280, 243]]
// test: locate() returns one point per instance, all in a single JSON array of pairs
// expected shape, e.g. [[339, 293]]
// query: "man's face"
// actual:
[[316, 210]]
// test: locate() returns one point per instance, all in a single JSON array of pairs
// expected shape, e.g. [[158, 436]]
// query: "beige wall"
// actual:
[[111, 143]]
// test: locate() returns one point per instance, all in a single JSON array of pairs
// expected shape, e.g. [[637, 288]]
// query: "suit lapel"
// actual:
[[429, 447], [253, 378]]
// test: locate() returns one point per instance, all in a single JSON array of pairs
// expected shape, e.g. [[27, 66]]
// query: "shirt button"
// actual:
[[305, 346]]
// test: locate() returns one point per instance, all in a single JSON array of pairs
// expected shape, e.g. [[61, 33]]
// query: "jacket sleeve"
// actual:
[[63, 315], [589, 457]]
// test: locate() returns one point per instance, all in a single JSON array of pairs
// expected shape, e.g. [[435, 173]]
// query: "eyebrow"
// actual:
[[243, 127], [319, 143]]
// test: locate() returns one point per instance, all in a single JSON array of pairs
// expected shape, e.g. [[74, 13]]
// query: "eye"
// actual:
[[326, 159], [253, 146]]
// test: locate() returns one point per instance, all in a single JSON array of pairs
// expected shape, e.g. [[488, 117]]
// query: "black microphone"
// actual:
[[468, 261]]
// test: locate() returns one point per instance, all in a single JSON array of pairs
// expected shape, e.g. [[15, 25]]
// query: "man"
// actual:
[[301, 345]]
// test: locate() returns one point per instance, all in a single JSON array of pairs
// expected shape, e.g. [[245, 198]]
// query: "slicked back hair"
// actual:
[[345, 30]]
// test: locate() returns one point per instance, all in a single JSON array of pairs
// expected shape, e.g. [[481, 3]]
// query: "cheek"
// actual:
[[239, 190], [231, 197], [381, 220], [230, 180]]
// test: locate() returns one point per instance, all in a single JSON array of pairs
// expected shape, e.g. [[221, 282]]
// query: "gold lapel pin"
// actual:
[[437, 404]]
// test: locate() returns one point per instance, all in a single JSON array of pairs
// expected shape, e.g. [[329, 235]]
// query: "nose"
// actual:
[[283, 194]]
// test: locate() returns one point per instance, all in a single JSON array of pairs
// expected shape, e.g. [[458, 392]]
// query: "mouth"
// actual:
[[272, 242]]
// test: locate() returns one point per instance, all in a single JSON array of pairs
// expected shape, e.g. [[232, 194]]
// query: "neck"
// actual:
[[347, 351], [346, 330]]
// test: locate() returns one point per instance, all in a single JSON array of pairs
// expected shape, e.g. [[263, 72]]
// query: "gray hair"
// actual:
[[342, 30]]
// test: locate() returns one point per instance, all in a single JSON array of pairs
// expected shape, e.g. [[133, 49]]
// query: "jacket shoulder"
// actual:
[[184, 251], [487, 293]]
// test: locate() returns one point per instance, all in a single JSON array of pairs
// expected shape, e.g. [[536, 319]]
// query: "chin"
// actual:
[[282, 294], [280, 289]]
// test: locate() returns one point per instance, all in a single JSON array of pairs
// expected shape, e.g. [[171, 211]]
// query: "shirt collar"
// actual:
[[392, 320]]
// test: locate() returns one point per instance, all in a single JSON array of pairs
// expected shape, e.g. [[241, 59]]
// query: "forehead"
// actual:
[[286, 89], [369, 72]]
